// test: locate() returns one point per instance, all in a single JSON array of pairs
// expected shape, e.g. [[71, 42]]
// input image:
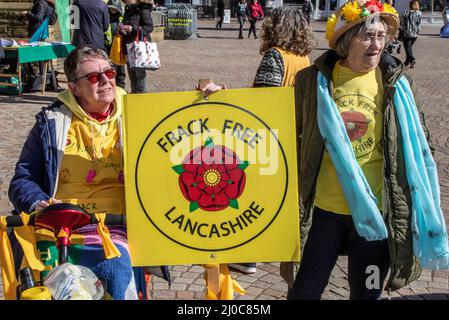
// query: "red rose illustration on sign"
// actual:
[[212, 177], [356, 124]]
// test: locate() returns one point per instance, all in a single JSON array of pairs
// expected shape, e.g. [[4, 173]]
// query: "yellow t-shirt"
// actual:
[[359, 98], [94, 148]]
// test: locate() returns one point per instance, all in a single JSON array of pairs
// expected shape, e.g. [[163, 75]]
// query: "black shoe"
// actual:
[[255, 37], [240, 37], [246, 268], [412, 65]]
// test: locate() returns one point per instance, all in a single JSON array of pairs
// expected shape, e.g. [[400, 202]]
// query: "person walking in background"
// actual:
[[254, 12], [240, 10], [287, 40], [220, 13], [410, 28], [116, 16], [137, 20], [93, 23], [307, 9]]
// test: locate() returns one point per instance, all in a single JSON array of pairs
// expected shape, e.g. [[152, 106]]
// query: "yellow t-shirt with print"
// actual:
[[92, 148], [359, 98]]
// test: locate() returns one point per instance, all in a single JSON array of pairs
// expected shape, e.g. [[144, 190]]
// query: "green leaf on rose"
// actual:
[[233, 203], [178, 168], [193, 206], [243, 165]]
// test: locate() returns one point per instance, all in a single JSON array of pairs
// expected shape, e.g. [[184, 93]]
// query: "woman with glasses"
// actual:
[[356, 172], [74, 154]]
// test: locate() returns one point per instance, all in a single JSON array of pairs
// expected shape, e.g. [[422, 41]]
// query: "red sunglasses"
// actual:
[[95, 77]]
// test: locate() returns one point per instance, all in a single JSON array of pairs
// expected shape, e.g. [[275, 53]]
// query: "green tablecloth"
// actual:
[[39, 53]]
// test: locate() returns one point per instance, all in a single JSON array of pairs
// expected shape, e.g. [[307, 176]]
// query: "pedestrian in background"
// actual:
[[307, 9], [410, 28], [287, 41], [240, 10], [116, 17], [220, 13], [137, 21], [254, 12], [93, 23]]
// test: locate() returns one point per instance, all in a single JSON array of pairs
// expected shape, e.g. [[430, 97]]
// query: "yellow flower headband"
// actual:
[[353, 12]]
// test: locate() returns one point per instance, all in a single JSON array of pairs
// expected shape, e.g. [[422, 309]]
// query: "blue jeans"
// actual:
[[330, 235]]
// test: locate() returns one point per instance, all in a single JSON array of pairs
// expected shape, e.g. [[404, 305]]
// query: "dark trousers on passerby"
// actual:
[[220, 22], [330, 235], [408, 44], [138, 79], [252, 27], [241, 22], [121, 76]]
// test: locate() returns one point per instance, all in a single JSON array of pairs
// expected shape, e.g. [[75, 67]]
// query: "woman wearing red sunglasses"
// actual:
[[74, 154]]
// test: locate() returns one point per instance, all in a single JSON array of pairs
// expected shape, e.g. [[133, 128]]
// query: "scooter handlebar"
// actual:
[[111, 220]]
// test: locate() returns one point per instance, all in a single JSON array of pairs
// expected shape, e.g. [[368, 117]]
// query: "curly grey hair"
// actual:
[[287, 28]]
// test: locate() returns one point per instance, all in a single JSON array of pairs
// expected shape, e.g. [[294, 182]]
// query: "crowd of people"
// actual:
[[354, 201]]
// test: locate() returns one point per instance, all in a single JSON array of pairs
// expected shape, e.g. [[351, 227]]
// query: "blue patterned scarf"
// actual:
[[430, 240]]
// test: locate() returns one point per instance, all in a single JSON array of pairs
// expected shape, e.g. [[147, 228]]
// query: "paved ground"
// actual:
[[221, 56]]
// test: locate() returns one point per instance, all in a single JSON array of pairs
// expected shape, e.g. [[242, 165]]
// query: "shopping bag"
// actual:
[[117, 55], [143, 54]]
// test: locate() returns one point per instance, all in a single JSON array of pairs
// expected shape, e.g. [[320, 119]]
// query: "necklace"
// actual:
[[96, 154]]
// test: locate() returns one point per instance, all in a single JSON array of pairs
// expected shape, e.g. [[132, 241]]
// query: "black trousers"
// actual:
[[220, 21], [330, 235], [252, 27], [121, 76], [408, 44]]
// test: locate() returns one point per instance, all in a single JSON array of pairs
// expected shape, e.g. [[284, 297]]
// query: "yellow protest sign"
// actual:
[[211, 181]]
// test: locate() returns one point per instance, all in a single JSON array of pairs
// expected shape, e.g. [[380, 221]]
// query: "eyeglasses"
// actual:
[[369, 39], [95, 77]]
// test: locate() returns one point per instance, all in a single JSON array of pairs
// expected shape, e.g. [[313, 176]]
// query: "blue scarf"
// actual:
[[430, 240]]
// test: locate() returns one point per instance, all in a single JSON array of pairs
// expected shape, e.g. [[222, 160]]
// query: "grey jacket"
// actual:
[[411, 23]]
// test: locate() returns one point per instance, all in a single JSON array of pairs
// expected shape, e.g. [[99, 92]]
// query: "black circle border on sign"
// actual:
[[195, 105]]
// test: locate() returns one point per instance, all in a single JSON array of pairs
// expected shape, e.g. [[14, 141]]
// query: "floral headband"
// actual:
[[353, 12]]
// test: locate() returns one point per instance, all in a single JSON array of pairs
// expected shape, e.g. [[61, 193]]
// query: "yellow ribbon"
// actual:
[[27, 239], [110, 250], [219, 283], [10, 282]]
